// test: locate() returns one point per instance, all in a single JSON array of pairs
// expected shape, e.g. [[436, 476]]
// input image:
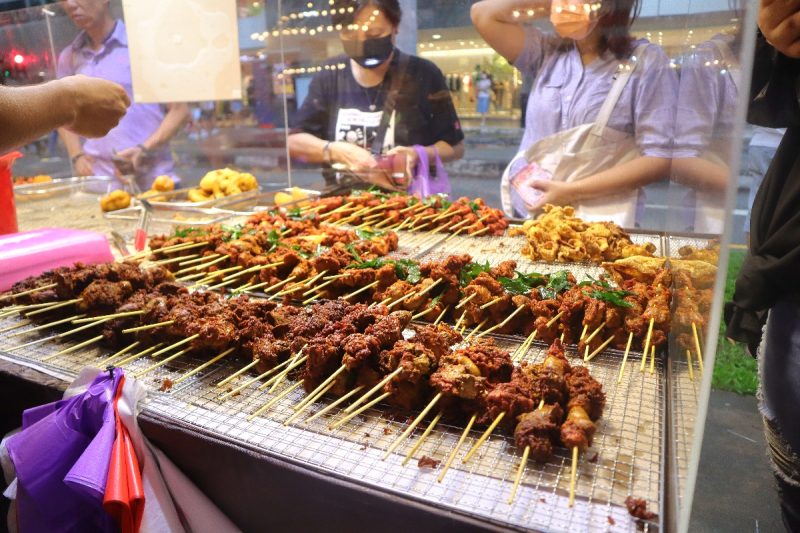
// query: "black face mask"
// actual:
[[369, 53]]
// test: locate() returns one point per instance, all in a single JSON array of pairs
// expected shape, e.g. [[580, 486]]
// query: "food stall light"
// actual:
[[18, 59], [436, 36]]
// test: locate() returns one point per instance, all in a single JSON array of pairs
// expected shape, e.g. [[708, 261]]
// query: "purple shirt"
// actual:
[[111, 62], [567, 94]]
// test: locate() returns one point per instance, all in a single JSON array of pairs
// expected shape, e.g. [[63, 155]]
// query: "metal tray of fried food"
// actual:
[[626, 458], [180, 198], [265, 200], [64, 186], [697, 241], [126, 221]]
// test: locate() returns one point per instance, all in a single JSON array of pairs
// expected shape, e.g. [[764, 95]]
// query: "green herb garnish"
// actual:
[[592, 281], [474, 206], [352, 249], [523, 283], [366, 235], [274, 238], [557, 283], [407, 270], [470, 271], [613, 297], [234, 232], [186, 232]]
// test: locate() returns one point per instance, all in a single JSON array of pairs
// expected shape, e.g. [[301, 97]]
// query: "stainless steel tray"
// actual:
[[126, 221], [64, 186], [180, 198]]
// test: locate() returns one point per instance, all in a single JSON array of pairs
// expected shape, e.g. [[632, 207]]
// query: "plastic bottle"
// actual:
[[8, 209]]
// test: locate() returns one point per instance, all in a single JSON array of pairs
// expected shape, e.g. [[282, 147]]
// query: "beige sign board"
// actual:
[[183, 50]]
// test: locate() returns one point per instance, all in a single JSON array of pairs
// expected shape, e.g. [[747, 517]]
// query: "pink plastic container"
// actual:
[[33, 252]]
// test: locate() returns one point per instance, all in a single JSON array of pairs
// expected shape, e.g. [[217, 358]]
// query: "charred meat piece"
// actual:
[[539, 430]]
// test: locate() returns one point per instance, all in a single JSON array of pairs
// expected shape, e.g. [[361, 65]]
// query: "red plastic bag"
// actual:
[[124, 497], [8, 210]]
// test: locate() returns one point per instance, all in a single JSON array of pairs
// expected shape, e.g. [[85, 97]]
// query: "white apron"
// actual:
[[709, 215], [583, 151]]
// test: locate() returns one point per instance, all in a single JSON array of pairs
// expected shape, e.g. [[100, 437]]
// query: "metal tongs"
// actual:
[[127, 172]]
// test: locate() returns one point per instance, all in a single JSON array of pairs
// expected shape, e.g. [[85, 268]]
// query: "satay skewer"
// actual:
[[484, 436], [458, 447], [137, 355], [29, 291], [697, 347], [312, 396], [174, 345], [76, 347], [237, 373], [466, 300], [441, 316], [402, 299], [306, 405], [652, 359], [474, 331], [523, 348], [178, 259], [422, 438], [161, 363], [490, 303], [573, 476], [201, 259], [646, 345], [57, 336], [503, 323], [625, 357], [149, 326], [24, 309], [15, 326], [109, 317], [403, 436], [479, 232], [362, 289], [273, 401], [52, 307], [203, 366], [357, 412], [237, 390], [46, 326], [374, 389], [600, 349], [518, 478]]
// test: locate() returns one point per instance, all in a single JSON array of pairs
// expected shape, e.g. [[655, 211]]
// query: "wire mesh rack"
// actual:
[[675, 242], [626, 458], [684, 393]]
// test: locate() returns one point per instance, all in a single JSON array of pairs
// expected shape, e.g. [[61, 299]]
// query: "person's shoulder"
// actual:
[[422, 66], [649, 53]]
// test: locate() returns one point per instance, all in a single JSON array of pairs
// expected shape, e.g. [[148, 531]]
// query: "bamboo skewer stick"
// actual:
[[306, 405], [45, 326], [333, 405], [402, 299], [466, 300], [319, 287], [503, 323], [523, 348], [458, 447], [554, 319], [697, 347], [160, 363], [474, 331], [275, 400], [176, 345], [138, 355], [460, 320], [120, 353], [625, 357], [652, 359], [53, 307], [359, 411], [108, 317], [454, 234], [280, 377], [57, 336], [312, 396], [483, 437], [29, 291], [599, 349], [168, 249], [192, 277], [203, 266], [22, 309], [362, 289], [257, 268], [249, 382], [583, 333], [403, 436], [201, 259], [518, 477], [71, 349], [16, 326], [274, 285], [646, 345], [237, 373], [175, 259], [421, 440], [202, 367], [479, 232], [149, 326], [441, 316], [490, 303], [374, 389], [573, 476]]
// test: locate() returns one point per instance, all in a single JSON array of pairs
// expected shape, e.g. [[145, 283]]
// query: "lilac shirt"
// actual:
[[567, 94], [111, 62]]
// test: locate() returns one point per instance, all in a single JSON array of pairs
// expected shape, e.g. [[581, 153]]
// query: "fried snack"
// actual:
[[223, 182], [198, 195], [709, 254], [33, 179], [702, 274], [637, 267], [163, 184], [115, 200], [557, 235]]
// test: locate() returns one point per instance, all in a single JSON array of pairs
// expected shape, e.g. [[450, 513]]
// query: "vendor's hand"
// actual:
[[779, 21], [134, 154], [553, 192], [411, 157], [84, 165], [97, 105], [352, 156]]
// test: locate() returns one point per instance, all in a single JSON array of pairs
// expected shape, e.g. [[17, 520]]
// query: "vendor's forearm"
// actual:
[[174, 120], [446, 151], [625, 177], [700, 174], [27, 113], [498, 22], [307, 148]]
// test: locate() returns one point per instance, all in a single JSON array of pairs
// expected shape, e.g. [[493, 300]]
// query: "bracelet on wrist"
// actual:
[[326, 153], [76, 157]]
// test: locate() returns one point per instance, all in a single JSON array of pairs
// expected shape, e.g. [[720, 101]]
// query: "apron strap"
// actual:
[[621, 80]]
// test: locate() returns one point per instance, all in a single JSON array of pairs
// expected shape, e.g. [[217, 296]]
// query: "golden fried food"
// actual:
[[33, 179], [115, 200], [709, 254], [163, 184], [224, 182], [638, 267], [198, 195], [557, 235], [701, 273]]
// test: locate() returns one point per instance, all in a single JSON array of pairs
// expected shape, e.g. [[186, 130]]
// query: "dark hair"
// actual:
[[615, 24], [390, 9]]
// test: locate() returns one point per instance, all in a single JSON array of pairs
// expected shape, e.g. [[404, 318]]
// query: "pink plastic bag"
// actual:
[[33, 252], [424, 184]]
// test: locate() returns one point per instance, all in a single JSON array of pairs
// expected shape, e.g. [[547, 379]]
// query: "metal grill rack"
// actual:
[[627, 457], [79, 210], [676, 242], [684, 394]]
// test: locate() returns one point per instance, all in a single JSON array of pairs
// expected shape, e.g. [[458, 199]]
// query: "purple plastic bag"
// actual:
[[61, 457], [424, 184]]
